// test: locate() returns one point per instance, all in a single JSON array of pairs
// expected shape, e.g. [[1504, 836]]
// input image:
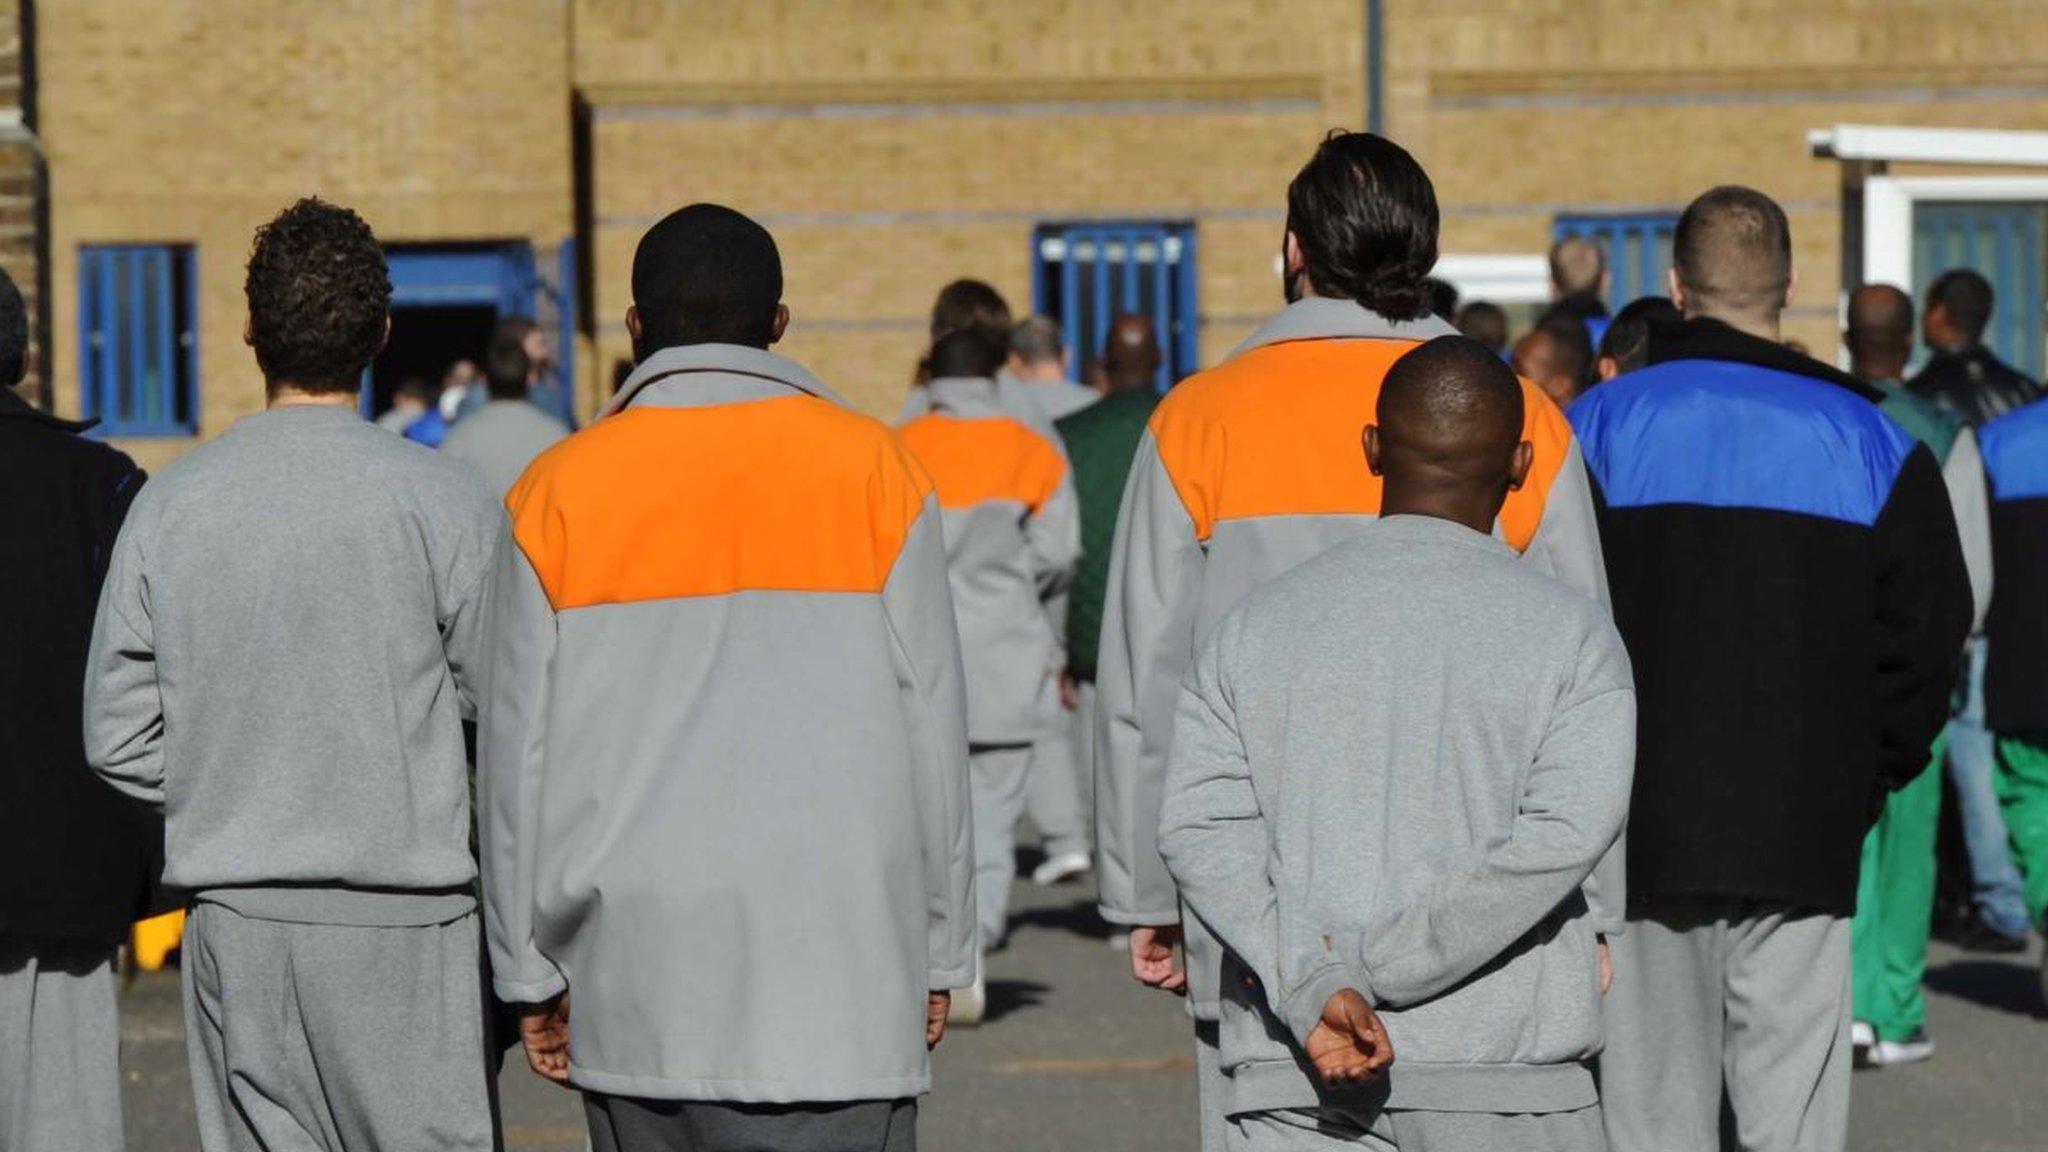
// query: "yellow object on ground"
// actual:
[[152, 940]]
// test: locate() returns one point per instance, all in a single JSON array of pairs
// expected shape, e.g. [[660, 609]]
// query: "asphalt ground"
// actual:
[[1075, 1057]]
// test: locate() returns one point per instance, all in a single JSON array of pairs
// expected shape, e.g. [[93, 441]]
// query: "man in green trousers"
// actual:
[[1895, 892]]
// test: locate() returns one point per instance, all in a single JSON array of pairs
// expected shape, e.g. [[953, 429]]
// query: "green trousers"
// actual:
[[1895, 907], [2022, 783]]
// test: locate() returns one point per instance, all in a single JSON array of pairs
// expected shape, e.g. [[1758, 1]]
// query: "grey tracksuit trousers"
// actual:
[[1734, 996], [1409, 1131], [999, 777], [306, 1037], [624, 1124], [60, 1044]]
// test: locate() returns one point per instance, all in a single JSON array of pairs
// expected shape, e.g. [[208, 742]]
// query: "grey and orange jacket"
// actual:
[[1246, 470], [723, 737], [1013, 536]]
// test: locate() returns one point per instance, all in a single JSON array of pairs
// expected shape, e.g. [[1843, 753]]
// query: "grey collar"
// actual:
[[1321, 318], [732, 372], [1413, 529], [965, 396]]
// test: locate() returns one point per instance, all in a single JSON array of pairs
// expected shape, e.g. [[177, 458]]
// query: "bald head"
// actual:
[[1578, 267], [1731, 256], [1880, 332], [1447, 437], [1130, 352]]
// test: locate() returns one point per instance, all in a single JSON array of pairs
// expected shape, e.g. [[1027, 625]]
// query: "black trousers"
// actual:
[[625, 1124]]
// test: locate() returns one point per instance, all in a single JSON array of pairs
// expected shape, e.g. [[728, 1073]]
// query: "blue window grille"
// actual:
[[139, 355], [2002, 240], [1638, 247], [1082, 274]]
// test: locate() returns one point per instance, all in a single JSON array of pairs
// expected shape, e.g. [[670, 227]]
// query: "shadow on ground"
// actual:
[[2007, 985], [1007, 996]]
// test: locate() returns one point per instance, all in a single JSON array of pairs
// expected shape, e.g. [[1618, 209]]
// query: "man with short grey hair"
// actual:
[[1039, 357]]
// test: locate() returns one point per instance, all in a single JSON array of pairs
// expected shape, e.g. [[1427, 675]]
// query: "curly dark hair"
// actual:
[[1365, 215], [319, 297]]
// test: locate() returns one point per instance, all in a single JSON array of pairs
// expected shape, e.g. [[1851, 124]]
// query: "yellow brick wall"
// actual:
[[1522, 109], [193, 121], [893, 146]]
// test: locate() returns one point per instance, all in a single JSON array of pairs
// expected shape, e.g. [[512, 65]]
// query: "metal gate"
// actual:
[[1083, 274]]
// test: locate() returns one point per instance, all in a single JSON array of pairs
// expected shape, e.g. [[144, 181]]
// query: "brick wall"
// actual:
[[193, 121], [895, 144]]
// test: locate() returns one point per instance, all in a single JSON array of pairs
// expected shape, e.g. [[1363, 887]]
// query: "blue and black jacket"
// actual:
[[2015, 450], [1786, 572]]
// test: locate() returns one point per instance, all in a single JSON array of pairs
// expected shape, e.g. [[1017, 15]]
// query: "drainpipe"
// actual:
[[1375, 71]]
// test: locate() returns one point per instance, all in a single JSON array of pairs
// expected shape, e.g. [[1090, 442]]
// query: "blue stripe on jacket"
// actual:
[[1721, 434], [2015, 448]]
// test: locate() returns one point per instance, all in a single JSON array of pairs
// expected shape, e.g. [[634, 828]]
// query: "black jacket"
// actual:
[[1786, 572], [1973, 385], [77, 859], [2016, 663]]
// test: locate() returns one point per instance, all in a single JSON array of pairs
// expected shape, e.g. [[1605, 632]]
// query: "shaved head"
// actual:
[[1130, 352], [1880, 332], [1447, 440], [1732, 257]]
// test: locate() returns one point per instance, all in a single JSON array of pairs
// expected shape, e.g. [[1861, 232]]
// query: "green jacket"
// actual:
[[1101, 440]]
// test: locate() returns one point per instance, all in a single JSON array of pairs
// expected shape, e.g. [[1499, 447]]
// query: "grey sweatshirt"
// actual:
[[501, 438], [1392, 770], [284, 652]]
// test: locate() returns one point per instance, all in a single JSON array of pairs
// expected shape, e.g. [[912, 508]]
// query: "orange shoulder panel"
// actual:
[[973, 461], [1278, 431], [789, 494], [1545, 428]]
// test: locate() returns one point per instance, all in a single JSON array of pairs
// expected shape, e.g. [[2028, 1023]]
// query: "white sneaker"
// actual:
[[1911, 1050], [1862, 1037], [969, 1003], [1061, 868]]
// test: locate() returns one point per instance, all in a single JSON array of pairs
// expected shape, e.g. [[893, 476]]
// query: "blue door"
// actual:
[[1638, 247], [2002, 240], [504, 279], [1083, 274]]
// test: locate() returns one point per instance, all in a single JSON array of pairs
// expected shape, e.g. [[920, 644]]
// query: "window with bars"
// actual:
[[1638, 247], [139, 353], [1085, 273]]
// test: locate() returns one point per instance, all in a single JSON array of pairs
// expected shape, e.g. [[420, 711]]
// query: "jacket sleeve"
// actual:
[[1572, 804], [1212, 833], [1969, 497], [919, 605], [1053, 534], [464, 640], [1923, 615], [511, 739], [124, 715], [1567, 548], [1148, 641]]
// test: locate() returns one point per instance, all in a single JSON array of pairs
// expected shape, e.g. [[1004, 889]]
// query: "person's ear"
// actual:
[[1518, 465], [1292, 273], [1372, 449], [633, 324], [1791, 286], [1607, 367], [249, 331], [781, 324], [1677, 290], [384, 341]]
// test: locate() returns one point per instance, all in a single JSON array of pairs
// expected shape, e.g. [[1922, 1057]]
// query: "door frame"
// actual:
[[1888, 204], [498, 275]]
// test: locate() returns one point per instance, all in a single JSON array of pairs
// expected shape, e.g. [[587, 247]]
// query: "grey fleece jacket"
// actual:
[[1392, 770], [286, 645]]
